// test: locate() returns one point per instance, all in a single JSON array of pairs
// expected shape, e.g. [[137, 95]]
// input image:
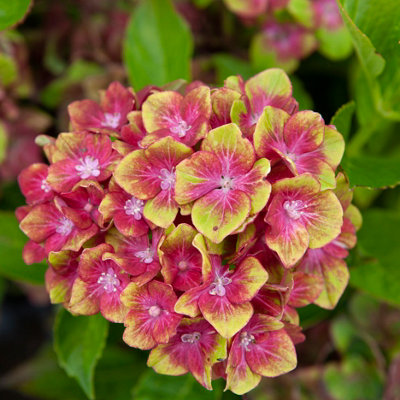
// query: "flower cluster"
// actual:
[[200, 218], [290, 30]]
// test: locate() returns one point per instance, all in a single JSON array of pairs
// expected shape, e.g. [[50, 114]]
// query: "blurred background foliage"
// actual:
[[52, 53]]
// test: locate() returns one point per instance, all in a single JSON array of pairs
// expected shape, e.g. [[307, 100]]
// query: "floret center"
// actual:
[[226, 183], [167, 179], [65, 226], [246, 339], [111, 120], [109, 281], [294, 208], [145, 256], [217, 288], [89, 166], [134, 206], [191, 337]]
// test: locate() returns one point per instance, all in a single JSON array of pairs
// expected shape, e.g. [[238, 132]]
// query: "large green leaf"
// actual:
[[116, 374], [377, 239], [12, 242], [158, 45], [79, 343], [375, 32], [12, 11], [372, 172], [343, 117]]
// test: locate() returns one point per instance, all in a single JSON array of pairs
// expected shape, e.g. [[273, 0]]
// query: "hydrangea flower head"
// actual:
[[201, 220]]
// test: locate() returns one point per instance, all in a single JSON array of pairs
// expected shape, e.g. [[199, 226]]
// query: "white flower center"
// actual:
[[167, 179], [65, 226], [246, 339], [191, 337], [181, 128], [154, 311], [134, 207], [45, 186], [111, 120], [178, 125], [145, 256], [109, 281], [226, 183], [183, 265], [218, 286], [294, 208], [89, 166]]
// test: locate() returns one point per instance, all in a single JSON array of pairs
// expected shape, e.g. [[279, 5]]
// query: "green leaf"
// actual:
[[380, 275], [227, 65], [12, 242], [8, 70], [153, 386], [12, 12], [116, 374], [343, 117], [52, 94], [335, 44], [372, 172], [158, 45], [79, 343], [343, 332], [375, 32], [3, 142], [302, 12], [353, 379]]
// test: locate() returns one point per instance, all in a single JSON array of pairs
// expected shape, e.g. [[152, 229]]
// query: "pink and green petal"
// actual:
[[112, 309], [304, 132], [137, 176], [187, 303], [34, 185], [167, 153], [268, 135], [162, 209], [247, 280], [221, 101], [126, 213], [197, 176], [274, 356], [270, 87], [332, 147], [306, 289], [225, 317], [290, 242], [201, 244], [159, 109], [81, 302], [33, 252], [328, 220], [181, 261], [151, 319], [255, 185], [194, 348], [217, 214], [312, 163], [235, 153], [240, 378], [333, 272]]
